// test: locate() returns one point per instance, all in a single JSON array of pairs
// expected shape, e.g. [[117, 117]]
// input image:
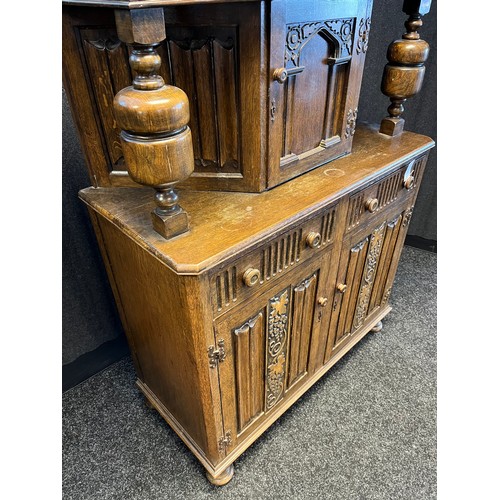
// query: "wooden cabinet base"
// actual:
[[231, 323], [223, 478]]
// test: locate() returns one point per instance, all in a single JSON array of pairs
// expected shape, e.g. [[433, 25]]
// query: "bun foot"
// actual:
[[223, 478], [377, 328]]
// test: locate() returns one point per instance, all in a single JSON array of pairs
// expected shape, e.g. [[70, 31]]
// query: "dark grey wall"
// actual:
[[90, 318], [89, 312], [420, 111]]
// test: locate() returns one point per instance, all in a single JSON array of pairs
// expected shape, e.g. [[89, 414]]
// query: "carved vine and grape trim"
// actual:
[[277, 328], [374, 250], [385, 298], [407, 216], [350, 128]]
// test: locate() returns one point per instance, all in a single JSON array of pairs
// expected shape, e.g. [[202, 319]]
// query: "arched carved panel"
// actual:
[[317, 57]]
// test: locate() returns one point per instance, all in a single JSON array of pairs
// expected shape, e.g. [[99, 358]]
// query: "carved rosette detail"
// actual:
[[363, 35], [352, 116], [277, 328], [407, 216], [369, 276], [342, 30]]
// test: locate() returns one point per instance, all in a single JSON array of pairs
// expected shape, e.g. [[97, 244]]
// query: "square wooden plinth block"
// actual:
[[171, 225], [392, 126]]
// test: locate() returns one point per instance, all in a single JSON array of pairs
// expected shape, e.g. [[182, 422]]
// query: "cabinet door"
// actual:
[[317, 57], [368, 264], [271, 346]]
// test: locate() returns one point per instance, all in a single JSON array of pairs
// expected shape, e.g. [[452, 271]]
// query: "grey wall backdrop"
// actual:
[[91, 330], [420, 112]]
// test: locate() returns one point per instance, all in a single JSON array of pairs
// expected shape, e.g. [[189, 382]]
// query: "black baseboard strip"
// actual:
[[90, 363], [423, 243]]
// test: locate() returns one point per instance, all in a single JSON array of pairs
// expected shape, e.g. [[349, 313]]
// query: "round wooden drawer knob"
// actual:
[[313, 239], [371, 205], [322, 301], [251, 277], [409, 182], [280, 75], [341, 287]]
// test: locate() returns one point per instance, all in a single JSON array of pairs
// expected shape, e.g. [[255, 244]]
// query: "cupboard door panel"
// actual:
[[249, 345], [270, 345], [316, 62], [387, 255], [368, 264], [304, 298]]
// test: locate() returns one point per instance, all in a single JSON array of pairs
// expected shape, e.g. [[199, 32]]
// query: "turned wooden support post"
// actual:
[[154, 117], [404, 74]]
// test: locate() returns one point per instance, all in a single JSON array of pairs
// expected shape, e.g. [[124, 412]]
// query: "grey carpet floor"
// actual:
[[366, 430]]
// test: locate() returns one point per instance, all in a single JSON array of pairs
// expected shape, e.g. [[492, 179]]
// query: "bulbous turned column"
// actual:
[[154, 117], [404, 74]]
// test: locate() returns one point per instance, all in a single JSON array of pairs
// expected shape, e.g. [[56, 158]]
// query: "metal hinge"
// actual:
[[216, 355], [225, 441], [273, 109]]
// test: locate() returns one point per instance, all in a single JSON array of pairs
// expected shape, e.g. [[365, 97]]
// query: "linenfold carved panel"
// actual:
[[249, 346], [355, 266], [108, 71], [202, 62], [302, 316]]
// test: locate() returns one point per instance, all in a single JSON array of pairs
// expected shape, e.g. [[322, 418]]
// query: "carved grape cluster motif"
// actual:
[[407, 217], [352, 116], [277, 327], [369, 275]]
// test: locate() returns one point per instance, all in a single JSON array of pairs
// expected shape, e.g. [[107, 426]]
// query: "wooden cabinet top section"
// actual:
[[144, 4], [224, 223]]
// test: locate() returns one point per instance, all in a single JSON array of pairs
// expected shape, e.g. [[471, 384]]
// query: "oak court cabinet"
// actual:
[[267, 237]]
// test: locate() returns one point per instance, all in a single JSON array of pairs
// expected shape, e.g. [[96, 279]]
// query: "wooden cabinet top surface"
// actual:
[[224, 223]]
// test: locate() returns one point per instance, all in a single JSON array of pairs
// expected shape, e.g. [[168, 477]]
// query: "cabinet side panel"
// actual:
[[160, 324]]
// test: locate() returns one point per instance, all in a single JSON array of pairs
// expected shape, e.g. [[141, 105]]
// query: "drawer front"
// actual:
[[365, 204], [233, 283]]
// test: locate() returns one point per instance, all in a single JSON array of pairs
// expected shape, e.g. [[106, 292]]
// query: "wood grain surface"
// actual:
[[224, 223]]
